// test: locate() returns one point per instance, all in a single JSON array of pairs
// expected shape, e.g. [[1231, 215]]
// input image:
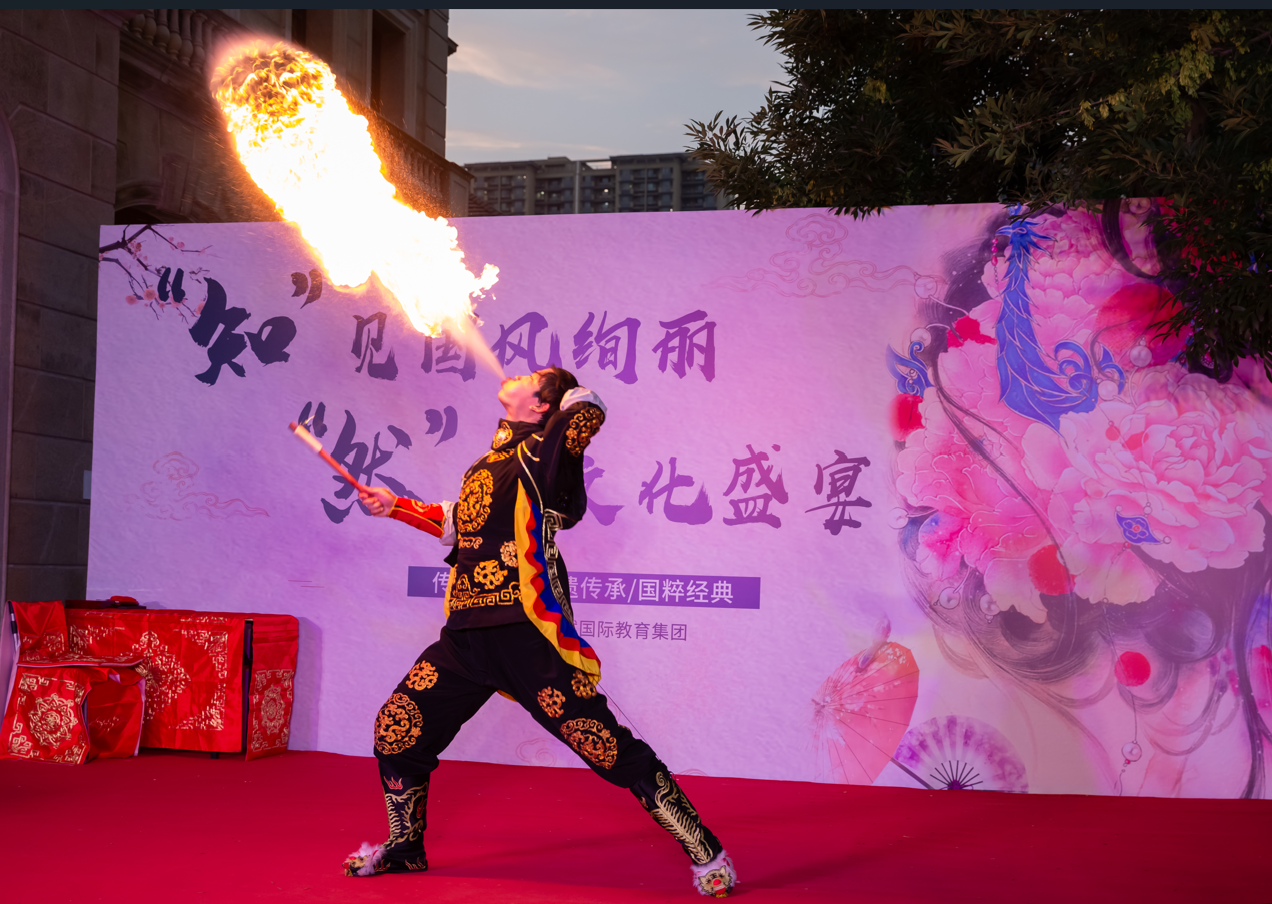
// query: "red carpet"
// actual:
[[182, 827]]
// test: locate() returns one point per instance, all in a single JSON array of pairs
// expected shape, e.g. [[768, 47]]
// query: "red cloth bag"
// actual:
[[63, 708], [274, 644], [72, 712], [193, 666], [45, 716], [116, 704], [41, 631]]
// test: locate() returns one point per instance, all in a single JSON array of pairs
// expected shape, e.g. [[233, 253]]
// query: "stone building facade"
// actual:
[[107, 119]]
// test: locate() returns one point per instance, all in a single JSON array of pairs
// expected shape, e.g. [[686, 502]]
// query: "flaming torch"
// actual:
[[307, 150]]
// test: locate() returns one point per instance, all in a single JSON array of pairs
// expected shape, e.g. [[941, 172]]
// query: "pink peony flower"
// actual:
[[1179, 458], [981, 516], [1173, 466], [1024, 506]]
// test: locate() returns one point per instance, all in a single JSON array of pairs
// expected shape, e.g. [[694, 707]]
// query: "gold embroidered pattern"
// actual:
[[462, 596], [583, 686], [552, 701], [216, 643], [270, 709], [583, 427], [42, 714], [502, 435], [508, 553], [474, 502], [406, 814], [591, 739], [489, 574], [672, 810], [165, 678], [493, 457], [51, 720], [397, 726], [422, 677], [469, 542]]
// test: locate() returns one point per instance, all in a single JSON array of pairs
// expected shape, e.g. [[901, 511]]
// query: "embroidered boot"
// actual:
[[658, 793], [406, 799]]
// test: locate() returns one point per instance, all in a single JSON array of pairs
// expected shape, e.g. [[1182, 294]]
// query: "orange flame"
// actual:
[[307, 150]]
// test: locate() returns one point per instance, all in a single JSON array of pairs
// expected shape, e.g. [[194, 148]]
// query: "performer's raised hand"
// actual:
[[378, 500]]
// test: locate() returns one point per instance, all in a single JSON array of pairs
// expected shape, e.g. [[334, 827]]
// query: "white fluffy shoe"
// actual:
[[364, 860], [717, 878]]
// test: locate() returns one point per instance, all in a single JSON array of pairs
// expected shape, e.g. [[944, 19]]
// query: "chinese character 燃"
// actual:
[[755, 509], [696, 512], [681, 343], [607, 342], [521, 339], [839, 478]]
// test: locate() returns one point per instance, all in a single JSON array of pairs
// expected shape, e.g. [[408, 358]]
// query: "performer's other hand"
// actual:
[[379, 500]]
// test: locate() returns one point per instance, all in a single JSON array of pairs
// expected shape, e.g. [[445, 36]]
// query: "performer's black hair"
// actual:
[[554, 383]]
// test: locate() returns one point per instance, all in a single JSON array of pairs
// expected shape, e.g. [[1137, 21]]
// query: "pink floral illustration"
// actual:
[[1167, 464]]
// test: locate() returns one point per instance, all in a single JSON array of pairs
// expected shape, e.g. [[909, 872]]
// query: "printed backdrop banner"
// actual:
[[917, 500]]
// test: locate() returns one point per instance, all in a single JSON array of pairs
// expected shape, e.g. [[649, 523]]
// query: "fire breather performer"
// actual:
[[509, 628]]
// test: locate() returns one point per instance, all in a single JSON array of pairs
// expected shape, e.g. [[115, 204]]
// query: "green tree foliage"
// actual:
[[1038, 108]]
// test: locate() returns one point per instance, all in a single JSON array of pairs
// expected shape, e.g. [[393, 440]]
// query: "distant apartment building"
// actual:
[[632, 182]]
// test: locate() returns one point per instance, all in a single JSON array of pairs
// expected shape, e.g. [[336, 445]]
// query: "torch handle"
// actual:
[[308, 439]]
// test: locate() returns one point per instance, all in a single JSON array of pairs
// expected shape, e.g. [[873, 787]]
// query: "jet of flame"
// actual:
[[307, 150]]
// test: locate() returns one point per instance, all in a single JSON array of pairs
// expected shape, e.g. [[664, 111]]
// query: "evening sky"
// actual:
[[528, 84]]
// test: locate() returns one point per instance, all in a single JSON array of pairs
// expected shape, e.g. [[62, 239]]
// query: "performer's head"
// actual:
[[536, 397]]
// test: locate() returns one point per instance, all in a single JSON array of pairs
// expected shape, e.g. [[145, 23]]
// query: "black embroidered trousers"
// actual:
[[457, 674]]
